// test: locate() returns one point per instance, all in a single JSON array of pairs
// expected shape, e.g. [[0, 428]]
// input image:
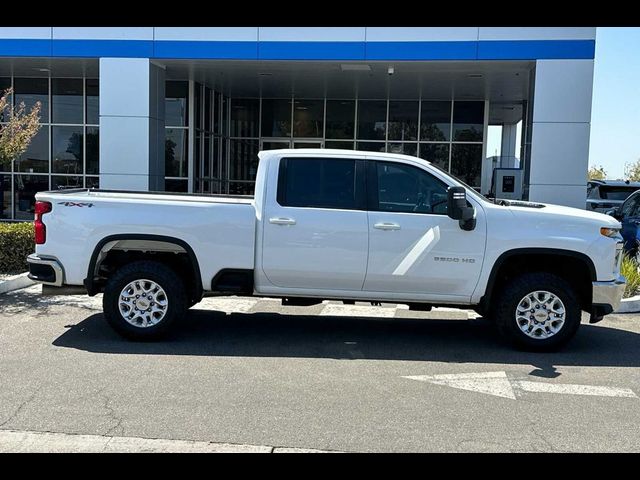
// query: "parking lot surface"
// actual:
[[354, 378]]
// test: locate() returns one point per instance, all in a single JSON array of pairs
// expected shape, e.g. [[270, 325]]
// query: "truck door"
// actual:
[[414, 247], [315, 230]]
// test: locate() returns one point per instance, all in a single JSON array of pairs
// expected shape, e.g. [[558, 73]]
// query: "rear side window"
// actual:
[[319, 183], [616, 193]]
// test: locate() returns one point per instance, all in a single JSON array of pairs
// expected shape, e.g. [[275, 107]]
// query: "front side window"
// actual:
[[319, 183], [407, 189]]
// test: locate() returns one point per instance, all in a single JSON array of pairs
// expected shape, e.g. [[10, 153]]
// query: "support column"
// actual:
[[132, 132], [560, 132], [508, 145]]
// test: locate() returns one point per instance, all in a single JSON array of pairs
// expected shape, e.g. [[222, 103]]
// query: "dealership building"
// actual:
[[188, 108]]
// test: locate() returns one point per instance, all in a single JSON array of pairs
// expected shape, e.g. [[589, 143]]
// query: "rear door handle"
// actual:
[[386, 226], [282, 221]]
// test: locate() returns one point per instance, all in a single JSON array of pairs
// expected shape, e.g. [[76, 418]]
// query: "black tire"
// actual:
[[504, 311], [163, 276]]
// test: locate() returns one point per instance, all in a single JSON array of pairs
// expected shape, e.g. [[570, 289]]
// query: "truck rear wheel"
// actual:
[[538, 312], [143, 299]]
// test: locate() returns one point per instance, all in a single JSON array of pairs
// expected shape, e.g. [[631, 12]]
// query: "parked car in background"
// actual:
[[629, 215], [603, 195]]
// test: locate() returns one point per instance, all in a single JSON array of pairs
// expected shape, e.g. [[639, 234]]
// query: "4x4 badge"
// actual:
[[76, 204]]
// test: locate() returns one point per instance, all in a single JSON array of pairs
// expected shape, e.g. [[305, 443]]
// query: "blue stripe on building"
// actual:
[[350, 51]]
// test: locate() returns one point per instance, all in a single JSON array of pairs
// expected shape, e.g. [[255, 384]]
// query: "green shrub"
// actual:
[[16, 243], [629, 269]]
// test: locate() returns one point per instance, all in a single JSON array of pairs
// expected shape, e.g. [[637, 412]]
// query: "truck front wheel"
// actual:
[[143, 299], [537, 311]]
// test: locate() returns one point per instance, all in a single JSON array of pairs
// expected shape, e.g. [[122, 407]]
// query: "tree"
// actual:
[[596, 173], [632, 171], [20, 127]]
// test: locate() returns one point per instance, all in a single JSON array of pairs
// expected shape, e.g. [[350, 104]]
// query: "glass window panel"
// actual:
[[308, 118], [404, 148], [207, 155], [175, 152], [59, 182], [26, 187], [66, 98], [340, 118], [372, 119], [339, 145], [371, 146], [403, 120], [215, 167], [403, 188], [224, 125], [67, 148], [276, 118], [466, 163], [241, 188], [93, 101], [216, 113], [245, 116], [207, 109], [5, 196], [197, 97], [275, 145], [30, 91], [468, 121], [175, 185], [196, 155], [36, 158], [92, 140], [244, 159], [435, 121], [436, 153], [303, 144], [5, 82], [320, 183], [92, 182], [176, 104]]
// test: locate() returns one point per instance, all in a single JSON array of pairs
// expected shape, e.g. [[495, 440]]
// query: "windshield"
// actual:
[[616, 193]]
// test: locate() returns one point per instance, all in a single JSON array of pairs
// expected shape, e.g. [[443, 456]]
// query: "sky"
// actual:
[[615, 111]]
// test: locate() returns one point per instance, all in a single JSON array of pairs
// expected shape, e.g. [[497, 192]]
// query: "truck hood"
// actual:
[[566, 215]]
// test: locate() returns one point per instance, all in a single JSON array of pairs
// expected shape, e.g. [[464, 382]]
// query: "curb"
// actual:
[[629, 305], [15, 283]]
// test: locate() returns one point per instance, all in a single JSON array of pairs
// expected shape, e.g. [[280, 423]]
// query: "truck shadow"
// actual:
[[215, 333]]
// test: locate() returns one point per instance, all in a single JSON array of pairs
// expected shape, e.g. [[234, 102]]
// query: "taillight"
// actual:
[[39, 227]]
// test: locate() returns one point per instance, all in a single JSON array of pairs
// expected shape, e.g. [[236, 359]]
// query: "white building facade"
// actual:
[[188, 108]]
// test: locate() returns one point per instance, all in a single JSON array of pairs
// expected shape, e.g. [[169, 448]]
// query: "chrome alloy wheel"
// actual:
[[540, 314], [143, 303]]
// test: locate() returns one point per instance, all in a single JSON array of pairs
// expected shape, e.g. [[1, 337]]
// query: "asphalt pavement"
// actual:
[[355, 378]]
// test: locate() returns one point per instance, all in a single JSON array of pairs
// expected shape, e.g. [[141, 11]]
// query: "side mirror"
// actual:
[[614, 212], [458, 208]]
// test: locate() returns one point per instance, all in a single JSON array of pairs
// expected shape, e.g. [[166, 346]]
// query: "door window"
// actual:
[[407, 189], [630, 207], [319, 183]]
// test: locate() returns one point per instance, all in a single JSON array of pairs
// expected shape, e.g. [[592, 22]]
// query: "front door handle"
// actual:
[[386, 226], [282, 221]]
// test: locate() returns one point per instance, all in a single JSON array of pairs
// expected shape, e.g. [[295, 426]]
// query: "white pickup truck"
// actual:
[[334, 224]]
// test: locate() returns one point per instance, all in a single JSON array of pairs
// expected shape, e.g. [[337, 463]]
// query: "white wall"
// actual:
[[560, 132], [131, 124]]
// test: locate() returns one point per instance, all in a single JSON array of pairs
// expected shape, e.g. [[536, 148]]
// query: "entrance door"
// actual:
[[307, 144], [274, 143]]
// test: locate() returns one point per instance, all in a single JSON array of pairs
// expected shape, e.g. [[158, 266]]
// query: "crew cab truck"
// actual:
[[334, 224]]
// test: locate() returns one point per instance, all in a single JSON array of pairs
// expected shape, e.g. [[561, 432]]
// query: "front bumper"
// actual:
[[607, 295], [45, 270]]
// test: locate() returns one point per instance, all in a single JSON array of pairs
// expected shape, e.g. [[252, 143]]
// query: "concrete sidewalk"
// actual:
[[12, 441]]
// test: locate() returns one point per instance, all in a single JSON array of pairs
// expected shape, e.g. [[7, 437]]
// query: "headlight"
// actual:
[[609, 231]]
